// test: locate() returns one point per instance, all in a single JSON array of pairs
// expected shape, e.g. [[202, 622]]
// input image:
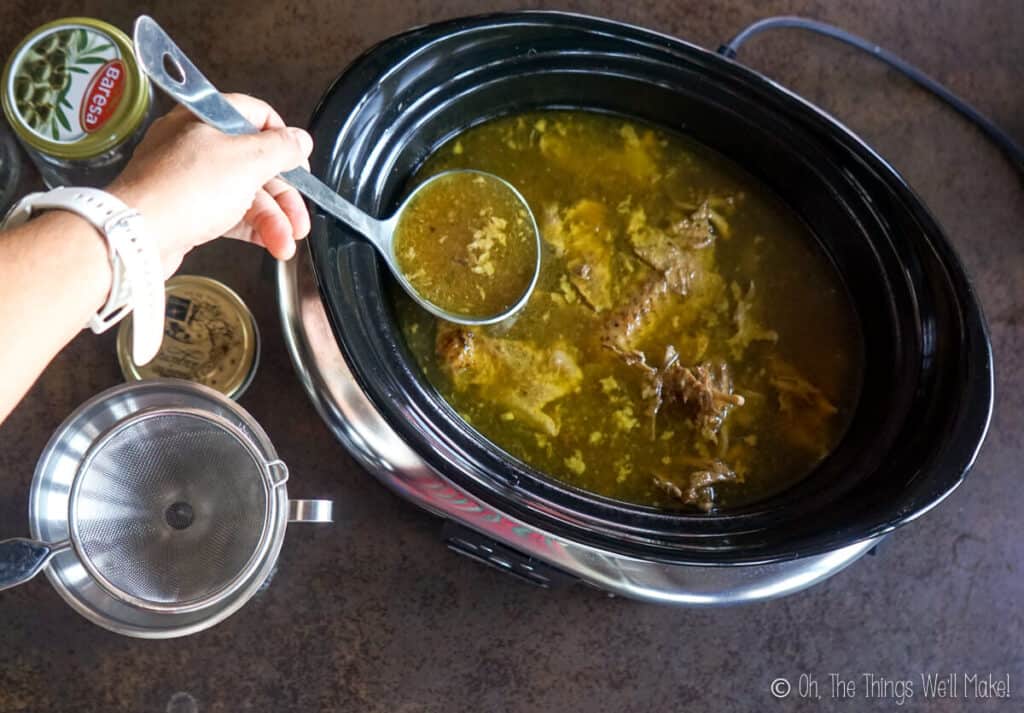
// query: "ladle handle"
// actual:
[[21, 559], [171, 70]]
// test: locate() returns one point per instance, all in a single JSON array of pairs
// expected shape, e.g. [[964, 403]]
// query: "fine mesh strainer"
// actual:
[[171, 509]]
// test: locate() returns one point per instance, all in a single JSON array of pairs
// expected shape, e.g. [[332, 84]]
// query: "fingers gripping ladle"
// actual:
[[168, 67]]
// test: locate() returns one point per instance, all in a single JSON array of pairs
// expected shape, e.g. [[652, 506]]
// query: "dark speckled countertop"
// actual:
[[375, 615]]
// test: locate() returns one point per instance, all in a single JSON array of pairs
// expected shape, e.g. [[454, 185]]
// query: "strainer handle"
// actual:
[[310, 511], [278, 472], [22, 559]]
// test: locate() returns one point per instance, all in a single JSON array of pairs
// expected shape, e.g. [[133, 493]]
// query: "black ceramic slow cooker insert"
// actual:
[[927, 381]]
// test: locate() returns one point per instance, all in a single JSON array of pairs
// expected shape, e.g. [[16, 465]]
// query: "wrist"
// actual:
[[86, 247], [133, 259], [139, 198]]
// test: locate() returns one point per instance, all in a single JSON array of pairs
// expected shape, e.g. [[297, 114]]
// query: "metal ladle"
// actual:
[[168, 67]]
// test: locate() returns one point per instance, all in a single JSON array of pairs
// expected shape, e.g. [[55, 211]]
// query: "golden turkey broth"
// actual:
[[466, 243], [687, 345]]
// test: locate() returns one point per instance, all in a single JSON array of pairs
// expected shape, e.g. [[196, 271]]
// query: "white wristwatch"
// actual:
[[138, 284]]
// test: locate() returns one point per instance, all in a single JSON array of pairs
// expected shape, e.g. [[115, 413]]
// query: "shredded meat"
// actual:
[[704, 391], [516, 374], [592, 279], [802, 405], [698, 488], [455, 347], [653, 383], [748, 329], [696, 231], [674, 264], [670, 252], [796, 393], [583, 237]]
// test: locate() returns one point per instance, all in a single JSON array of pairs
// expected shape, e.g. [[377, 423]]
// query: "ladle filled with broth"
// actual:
[[467, 243], [688, 344], [464, 245]]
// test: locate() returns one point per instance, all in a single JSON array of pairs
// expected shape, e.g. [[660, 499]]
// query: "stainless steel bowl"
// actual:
[[52, 494]]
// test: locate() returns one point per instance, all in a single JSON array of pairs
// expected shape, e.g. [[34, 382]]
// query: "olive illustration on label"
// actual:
[[44, 112], [57, 58], [44, 77], [41, 94], [38, 70], [22, 90], [60, 79]]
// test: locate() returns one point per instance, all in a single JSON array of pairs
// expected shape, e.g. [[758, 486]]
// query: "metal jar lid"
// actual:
[[73, 90], [210, 338]]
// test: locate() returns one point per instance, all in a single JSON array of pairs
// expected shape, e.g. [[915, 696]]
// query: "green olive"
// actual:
[[22, 88], [57, 59], [59, 80], [64, 38], [39, 70], [31, 118], [27, 113], [42, 94], [44, 112], [48, 43]]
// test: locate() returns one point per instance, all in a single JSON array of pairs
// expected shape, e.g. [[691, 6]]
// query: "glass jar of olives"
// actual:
[[77, 100], [10, 168]]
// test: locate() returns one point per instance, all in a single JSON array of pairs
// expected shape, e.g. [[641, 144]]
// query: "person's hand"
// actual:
[[193, 183]]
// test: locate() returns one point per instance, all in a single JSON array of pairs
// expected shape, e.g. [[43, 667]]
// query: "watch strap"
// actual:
[[137, 284]]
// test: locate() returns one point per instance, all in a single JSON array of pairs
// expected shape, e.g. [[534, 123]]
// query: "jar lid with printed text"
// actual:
[[210, 338]]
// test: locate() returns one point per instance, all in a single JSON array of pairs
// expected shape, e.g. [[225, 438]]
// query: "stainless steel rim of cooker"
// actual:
[[351, 416], [49, 506]]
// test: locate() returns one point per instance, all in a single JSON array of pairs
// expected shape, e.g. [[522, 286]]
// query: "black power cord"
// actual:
[[1010, 147]]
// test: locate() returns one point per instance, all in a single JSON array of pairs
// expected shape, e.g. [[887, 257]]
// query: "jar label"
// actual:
[[102, 96], [68, 83]]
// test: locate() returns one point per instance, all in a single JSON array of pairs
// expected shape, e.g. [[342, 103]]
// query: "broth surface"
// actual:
[[688, 344], [466, 243]]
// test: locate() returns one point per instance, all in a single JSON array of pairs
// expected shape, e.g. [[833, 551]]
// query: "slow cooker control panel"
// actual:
[[483, 549]]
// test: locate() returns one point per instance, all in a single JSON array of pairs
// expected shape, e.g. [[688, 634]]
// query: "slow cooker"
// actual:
[[927, 387]]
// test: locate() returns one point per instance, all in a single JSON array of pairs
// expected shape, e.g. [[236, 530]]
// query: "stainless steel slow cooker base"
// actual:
[[503, 541]]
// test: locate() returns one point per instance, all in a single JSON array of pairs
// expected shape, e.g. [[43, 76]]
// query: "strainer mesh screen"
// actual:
[[171, 509]]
